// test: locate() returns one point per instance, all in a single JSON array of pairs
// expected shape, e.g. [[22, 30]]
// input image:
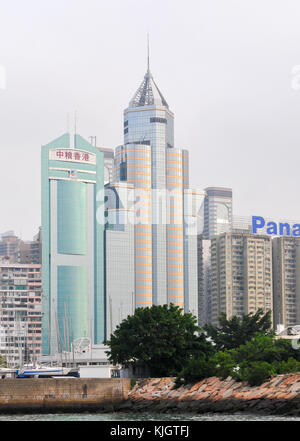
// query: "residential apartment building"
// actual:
[[241, 274], [286, 281], [30, 251], [9, 245], [20, 251], [20, 313]]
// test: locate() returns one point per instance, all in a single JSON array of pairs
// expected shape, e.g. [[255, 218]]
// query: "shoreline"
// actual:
[[279, 396]]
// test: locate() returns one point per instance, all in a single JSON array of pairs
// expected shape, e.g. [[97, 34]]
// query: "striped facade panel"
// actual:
[[175, 231], [136, 159]]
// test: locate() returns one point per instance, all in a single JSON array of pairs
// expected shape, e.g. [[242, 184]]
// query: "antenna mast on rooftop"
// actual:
[[148, 53]]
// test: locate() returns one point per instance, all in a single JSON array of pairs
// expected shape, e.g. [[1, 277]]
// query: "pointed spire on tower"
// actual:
[[148, 93]]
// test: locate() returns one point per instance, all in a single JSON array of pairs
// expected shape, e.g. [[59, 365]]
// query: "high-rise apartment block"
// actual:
[[9, 245], [217, 211], [19, 251], [30, 251], [20, 313], [286, 280], [73, 244], [241, 274]]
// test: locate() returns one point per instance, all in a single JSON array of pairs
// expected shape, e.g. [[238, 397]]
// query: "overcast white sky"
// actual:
[[224, 67]]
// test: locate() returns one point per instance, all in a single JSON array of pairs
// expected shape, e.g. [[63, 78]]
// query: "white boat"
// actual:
[[46, 371]]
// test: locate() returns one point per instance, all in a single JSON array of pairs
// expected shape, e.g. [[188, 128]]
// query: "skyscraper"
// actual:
[[165, 256], [72, 243]]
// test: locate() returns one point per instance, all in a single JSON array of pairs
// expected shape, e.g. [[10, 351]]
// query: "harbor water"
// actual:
[[119, 416]]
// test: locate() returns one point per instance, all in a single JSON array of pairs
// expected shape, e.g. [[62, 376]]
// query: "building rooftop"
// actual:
[[219, 191], [148, 94]]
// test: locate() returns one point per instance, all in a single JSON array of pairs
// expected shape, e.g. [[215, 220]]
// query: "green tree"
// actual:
[[195, 370], [256, 372], [286, 349], [225, 362], [254, 362], [287, 367], [263, 356], [236, 331], [260, 348], [160, 337]]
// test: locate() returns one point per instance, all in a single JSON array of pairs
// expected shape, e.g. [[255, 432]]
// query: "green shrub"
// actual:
[[287, 367], [196, 370], [225, 364], [255, 373], [132, 383]]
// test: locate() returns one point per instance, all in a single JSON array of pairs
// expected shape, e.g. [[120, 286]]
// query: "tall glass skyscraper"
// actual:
[[72, 244], [159, 173]]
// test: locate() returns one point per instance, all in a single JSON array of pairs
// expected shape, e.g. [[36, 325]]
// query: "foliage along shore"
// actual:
[[278, 396]]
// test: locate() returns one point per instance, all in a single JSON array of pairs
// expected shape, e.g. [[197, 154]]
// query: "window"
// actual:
[[123, 171], [139, 142], [159, 120]]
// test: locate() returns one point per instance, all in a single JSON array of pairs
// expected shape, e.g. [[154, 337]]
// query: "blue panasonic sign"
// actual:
[[274, 228]]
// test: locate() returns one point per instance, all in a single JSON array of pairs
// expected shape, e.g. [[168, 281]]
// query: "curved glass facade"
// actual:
[[71, 217], [72, 303]]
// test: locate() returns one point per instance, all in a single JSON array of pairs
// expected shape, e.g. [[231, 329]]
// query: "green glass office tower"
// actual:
[[72, 244]]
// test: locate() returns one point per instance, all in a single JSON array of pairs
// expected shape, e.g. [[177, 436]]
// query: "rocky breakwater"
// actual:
[[279, 396]]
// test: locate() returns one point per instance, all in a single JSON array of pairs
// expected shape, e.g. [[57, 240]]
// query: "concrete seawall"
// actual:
[[279, 396], [40, 394]]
